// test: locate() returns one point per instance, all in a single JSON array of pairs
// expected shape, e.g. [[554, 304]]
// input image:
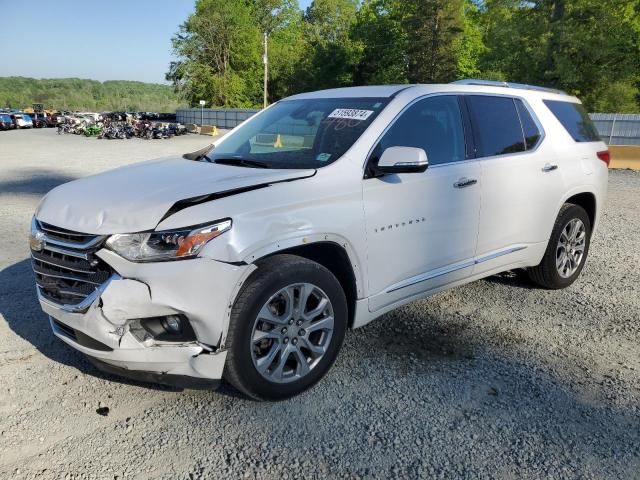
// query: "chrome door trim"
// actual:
[[500, 253], [423, 277], [514, 95]]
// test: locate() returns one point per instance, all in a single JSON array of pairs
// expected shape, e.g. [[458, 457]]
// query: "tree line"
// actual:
[[88, 95], [590, 48]]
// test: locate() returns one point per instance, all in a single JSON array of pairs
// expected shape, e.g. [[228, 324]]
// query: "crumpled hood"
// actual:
[[135, 198]]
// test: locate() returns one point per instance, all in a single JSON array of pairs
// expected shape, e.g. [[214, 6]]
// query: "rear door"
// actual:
[[521, 184], [422, 227]]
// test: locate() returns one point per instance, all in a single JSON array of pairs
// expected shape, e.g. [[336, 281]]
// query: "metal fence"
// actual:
[[220, 117], [618, 128]]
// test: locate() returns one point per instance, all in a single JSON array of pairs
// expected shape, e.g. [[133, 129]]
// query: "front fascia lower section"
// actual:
[[201, 288]]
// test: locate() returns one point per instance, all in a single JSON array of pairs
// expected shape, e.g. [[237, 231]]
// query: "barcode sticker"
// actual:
[[350, 114]]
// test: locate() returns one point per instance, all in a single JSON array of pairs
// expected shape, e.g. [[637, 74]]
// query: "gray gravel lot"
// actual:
[[496, 379]]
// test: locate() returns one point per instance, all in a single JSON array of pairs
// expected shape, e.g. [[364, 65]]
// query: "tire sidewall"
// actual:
[[243, 316]]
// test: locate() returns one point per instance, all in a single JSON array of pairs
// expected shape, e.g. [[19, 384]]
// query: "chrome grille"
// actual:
[[61, 234], [68, 273]]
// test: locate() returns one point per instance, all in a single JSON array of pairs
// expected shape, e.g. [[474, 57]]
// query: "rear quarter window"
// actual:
[[531, 132], [575, 120]]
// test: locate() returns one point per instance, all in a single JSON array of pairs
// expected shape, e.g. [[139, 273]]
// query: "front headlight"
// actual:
[[166, 245]]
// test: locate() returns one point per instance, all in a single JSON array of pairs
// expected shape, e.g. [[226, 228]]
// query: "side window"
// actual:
[[575, 119], [496, 125], [433, 124], [531, 132]]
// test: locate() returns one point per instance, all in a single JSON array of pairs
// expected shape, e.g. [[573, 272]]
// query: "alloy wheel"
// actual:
[[571, 247], [292, 332]]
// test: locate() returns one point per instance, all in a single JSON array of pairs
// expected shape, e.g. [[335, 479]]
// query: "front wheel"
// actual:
[[286, 328], [567, 250]]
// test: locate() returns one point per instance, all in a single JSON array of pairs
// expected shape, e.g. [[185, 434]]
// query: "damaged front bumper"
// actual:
[[199, 290]]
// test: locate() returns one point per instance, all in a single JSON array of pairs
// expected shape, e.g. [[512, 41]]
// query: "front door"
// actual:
[[422, 227]]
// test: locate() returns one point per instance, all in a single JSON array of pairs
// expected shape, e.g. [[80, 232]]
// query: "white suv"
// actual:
[[251, 258]]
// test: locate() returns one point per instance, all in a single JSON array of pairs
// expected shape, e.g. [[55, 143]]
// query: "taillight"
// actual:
[[605, 156]]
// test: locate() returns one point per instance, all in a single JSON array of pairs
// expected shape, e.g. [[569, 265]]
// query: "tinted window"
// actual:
[[496, 125], [575, 119], [433, 124], [531, 132]]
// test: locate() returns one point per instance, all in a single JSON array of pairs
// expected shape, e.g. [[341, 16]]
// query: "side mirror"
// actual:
[[403, 160]]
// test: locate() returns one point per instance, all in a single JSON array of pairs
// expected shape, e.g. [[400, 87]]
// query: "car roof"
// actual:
[[372, 91], [416, 90]]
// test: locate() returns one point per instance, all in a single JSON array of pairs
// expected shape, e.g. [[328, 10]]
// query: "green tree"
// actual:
[[590, 48], [418, 41], [331, 54], [282, 21], [469, 46], [380, 31], [87, 95], [433, 28], [219, 55], [220, 47]]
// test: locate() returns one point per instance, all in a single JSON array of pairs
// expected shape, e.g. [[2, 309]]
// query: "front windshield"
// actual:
[[308, 133]]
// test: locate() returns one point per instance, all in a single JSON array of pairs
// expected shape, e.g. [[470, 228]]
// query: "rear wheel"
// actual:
[[567, 250], [286, 328]]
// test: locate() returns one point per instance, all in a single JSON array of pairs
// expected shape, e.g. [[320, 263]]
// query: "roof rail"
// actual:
[[497, 83]]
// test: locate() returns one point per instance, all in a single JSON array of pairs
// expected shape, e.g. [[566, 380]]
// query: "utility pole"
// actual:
[[265, 60]]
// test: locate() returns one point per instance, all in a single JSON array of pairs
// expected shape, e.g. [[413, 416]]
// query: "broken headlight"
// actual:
[[168, 244]]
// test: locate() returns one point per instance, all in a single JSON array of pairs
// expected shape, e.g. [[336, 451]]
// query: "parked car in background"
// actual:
[[251, 258], [59, 117], [39, 120], [52, 120], [90, 116], [5, 122], [21, 120]]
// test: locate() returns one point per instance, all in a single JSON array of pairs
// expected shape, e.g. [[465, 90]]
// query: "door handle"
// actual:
[[549, 168], [465, 182]]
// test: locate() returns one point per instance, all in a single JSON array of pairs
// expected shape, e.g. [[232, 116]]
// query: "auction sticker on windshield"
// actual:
[[350, 114]]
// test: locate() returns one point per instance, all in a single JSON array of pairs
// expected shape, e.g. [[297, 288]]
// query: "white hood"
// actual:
[[136, 197]]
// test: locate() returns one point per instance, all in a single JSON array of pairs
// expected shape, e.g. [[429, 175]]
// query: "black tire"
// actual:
[[546, 273], [273, 274]]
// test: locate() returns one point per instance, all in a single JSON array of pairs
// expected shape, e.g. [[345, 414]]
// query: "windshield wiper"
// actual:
[[241, 161]]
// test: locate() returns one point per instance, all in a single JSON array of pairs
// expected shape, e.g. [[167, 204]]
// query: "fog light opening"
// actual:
[[170, 328], [172, 324]]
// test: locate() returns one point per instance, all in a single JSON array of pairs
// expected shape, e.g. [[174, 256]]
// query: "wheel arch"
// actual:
[[334, 257], [586, 200]]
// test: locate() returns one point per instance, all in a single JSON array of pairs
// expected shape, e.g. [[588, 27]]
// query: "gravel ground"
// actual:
[[496, 379]]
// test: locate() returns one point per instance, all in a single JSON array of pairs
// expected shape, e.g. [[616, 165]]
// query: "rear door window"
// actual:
[[496, 125], [575, 119]]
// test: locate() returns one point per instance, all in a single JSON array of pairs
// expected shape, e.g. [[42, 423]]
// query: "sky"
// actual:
[[109, 40]]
